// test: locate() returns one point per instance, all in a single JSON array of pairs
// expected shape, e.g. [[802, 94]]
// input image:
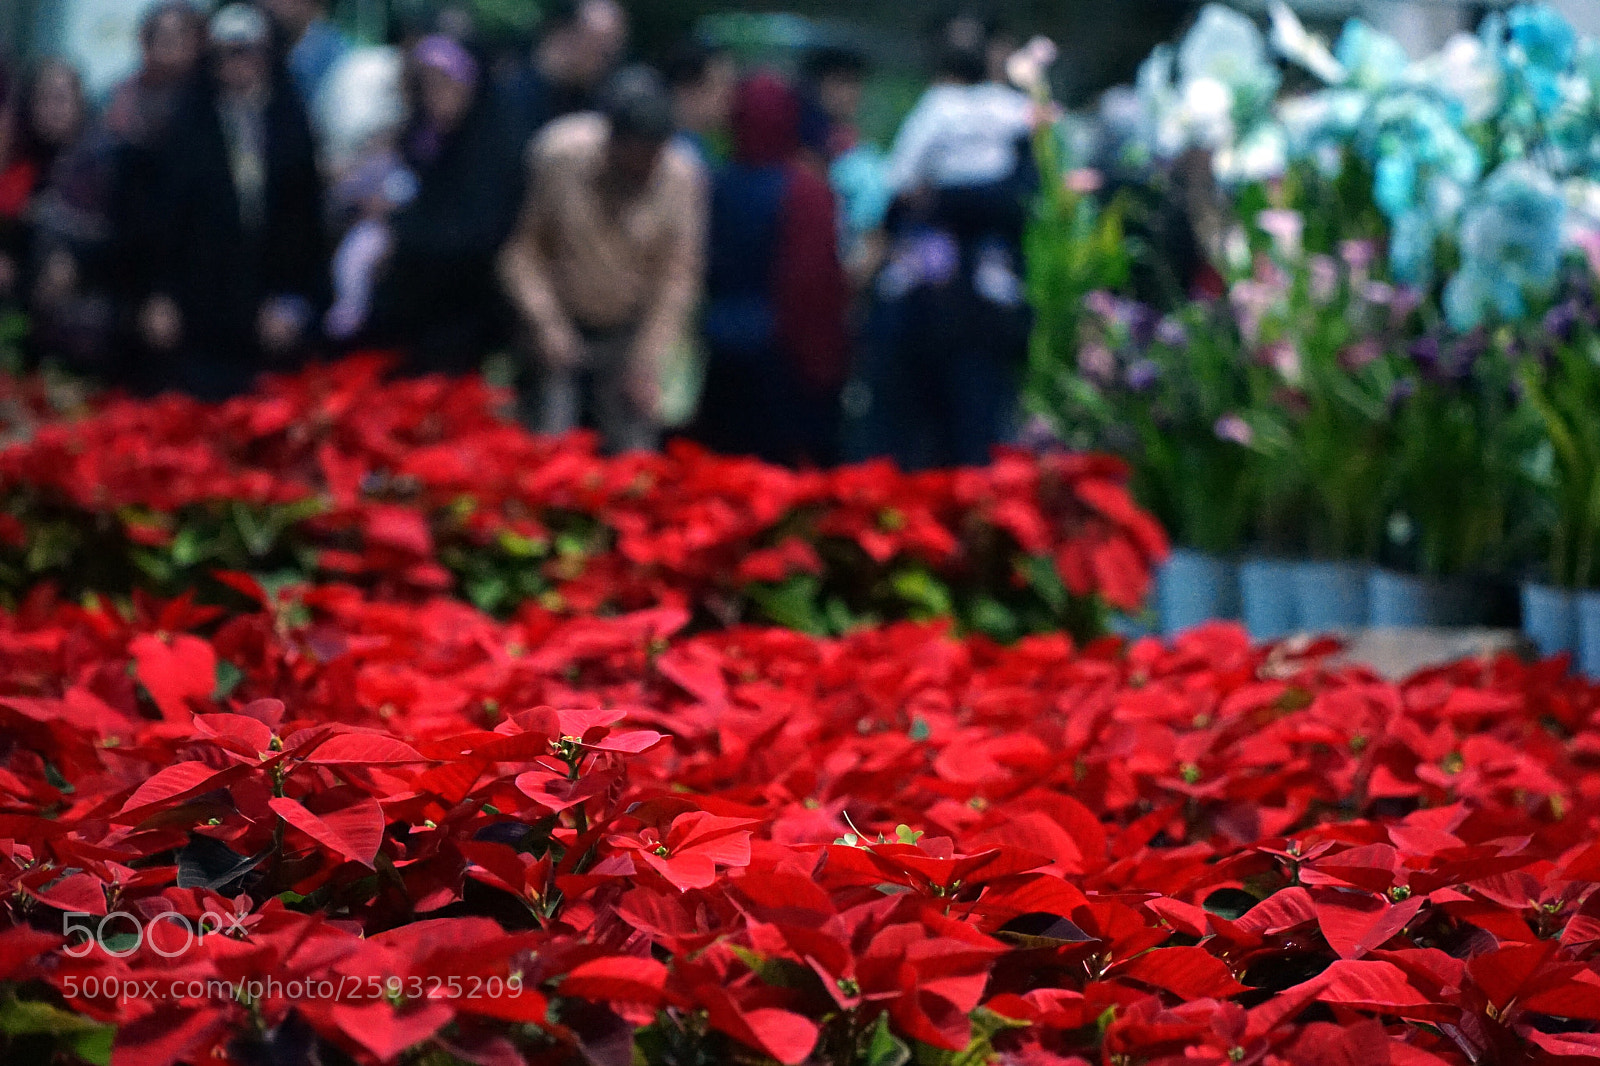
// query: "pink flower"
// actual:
[[1360, 355], [1358, 255], [1284, 357], [1287, 230], [1084, 181], [1324, 271], [1378, 292], [1097, 363], [1234, 429]]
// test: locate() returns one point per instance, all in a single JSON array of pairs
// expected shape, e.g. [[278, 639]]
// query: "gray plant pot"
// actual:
[[1550, 619], [1193, 588], [1270, 601], [1332, 597], [1589, 633], [1406, 601]]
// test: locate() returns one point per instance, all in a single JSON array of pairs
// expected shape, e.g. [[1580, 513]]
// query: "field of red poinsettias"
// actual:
[[286, 821], [416, 487]]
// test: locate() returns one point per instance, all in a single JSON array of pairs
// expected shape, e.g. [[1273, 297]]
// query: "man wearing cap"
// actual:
[[238, 267], [607, 261]]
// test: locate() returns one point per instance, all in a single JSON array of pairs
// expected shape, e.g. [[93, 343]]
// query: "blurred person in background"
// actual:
[[951, 323], [170, 41], [53, 193], [777, 299], [835, 84], [975, 30], [43, 119], [364, 204], [702, 80], [238, 269], [438, 296], [70, 265], [137, 120], [313, 44], [606, 264], [580, 44]]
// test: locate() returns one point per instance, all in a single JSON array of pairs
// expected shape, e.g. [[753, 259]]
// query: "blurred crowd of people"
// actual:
[[262, 191]]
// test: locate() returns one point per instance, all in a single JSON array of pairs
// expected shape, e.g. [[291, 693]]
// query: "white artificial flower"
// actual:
[[1029, 67], [1466, 71], [1581, 226], [1296, 44], [1223, 45], [1260, 155], [1207, 112]]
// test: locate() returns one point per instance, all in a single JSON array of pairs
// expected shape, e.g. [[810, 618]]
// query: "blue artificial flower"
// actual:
[[1510, 244], [1372, 59], [1411, 242], [1544, 36], [1395, 183]]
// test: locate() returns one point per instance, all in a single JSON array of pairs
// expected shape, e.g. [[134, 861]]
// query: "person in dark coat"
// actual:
[[777, 296], [39, 129], [438, 296], [239, 269], [580, 44]]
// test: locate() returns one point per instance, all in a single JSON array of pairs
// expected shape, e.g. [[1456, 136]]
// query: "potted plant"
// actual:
[[1320, 330], [1456, 482], [1562, 612], [1164, 393]]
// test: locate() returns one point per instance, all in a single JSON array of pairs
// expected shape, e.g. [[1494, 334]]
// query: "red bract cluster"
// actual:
[[417, 487], [335, 828]]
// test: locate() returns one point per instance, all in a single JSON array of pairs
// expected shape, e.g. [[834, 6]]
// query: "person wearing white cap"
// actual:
[[239, 268]]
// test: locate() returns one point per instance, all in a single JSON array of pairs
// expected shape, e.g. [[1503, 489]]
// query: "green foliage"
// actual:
[[1073, 246], [1566, 394]]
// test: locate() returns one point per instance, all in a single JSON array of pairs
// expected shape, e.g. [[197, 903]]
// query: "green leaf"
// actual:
[[520, 547], [32, 1018], [994, 619], [793, 604], [228, 678], [927, 595], [94, 1046], [886, 1049], [1043, 578]]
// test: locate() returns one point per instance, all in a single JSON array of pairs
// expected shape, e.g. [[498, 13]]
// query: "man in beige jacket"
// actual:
[[606, 265]]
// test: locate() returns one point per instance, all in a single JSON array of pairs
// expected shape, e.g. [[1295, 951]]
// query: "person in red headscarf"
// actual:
[[777, 295]]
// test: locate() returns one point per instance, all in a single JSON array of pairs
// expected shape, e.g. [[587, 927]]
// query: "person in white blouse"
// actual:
[[964, 131], [950, 322]]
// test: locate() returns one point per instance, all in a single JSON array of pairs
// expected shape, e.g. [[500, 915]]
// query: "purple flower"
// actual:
[[1039, 436], [1562, 320], [1407, 298], [1143, 375], [1400, 393], [1101, 304], [1427, 353], [1142, 321], [1235, 430], [1170, 332]]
